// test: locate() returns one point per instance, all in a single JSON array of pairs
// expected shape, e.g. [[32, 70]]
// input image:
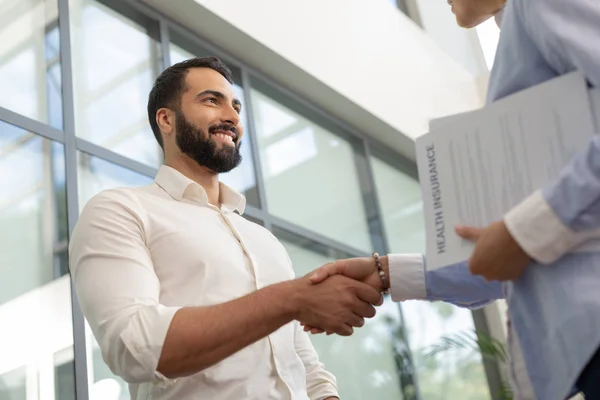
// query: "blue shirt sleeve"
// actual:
[[456, 285], [567, 34]]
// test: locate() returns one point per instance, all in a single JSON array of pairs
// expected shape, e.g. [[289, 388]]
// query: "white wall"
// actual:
[[362, 61], [461, 44]]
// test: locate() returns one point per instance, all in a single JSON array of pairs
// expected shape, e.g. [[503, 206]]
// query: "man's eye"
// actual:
[[212, 100]]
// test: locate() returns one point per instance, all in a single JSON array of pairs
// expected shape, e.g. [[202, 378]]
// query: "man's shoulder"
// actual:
[[113, 195], [120, 198]]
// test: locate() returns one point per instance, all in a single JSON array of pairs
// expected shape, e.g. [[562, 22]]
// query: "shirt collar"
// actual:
[[180, 187]]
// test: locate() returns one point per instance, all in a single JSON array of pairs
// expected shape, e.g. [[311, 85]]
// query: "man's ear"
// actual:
[[165, 118]]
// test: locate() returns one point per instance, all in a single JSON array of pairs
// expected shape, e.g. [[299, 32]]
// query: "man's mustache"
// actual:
[[224, 127]]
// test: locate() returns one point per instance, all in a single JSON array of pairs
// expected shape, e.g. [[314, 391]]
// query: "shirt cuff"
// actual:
[[407, 277], [326, 392], [538, 230], [325, 388]]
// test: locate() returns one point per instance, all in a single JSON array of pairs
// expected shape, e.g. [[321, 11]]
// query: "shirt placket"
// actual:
[[520, 384], [258, 285]]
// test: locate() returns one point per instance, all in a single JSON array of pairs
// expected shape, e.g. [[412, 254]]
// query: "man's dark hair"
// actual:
[[170, 86]]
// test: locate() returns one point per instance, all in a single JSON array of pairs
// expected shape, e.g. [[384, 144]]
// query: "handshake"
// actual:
[[338, 296]]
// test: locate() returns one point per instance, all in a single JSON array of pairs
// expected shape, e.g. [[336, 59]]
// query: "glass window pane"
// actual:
[[35, 291], [451, 375], [115, 62], [400, 202], [370, 363], [64, 378], [242, 178], [28, 56], [310, 175], [96, 175], [13, 384], [177, 54]]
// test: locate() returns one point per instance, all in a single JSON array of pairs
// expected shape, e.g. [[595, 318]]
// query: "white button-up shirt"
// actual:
[[137, 255]]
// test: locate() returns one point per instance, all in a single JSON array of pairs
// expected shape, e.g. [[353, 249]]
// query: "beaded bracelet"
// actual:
[[384, 280]]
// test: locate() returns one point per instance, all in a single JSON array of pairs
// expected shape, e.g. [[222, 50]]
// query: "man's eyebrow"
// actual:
[[219, 95], [215, 93]]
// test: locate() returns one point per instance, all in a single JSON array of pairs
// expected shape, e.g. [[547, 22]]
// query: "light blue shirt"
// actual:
[[555, 306]]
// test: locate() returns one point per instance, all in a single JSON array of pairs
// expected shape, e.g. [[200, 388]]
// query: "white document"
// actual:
[[475, 167]]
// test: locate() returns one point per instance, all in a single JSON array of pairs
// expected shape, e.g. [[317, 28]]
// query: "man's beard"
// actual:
[[202, 148]]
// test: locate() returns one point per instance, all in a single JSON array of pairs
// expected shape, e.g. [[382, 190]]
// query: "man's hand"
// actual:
[[337, 304], [361, 269], [497, 256]]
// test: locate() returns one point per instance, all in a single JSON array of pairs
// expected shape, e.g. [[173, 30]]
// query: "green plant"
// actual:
[[477, 342]]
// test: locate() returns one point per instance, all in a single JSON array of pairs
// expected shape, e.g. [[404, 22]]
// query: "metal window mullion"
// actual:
[[145, 9], [399, 162], [370, 199], [79, 343], [115, 158], [377, 228], [369, 177], [491, 367], [254, 146], [31, 125], [39, 49], [315, 237], [165, 43], [49, 230], [196, 40]]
